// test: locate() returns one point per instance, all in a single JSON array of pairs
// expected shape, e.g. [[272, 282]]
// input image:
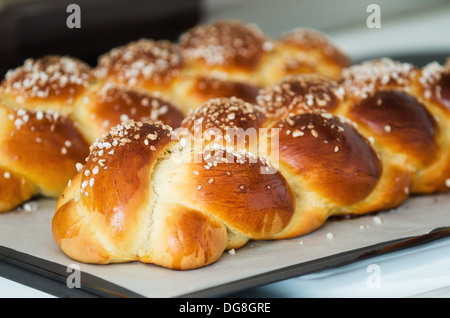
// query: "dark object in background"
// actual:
[[34, 28]]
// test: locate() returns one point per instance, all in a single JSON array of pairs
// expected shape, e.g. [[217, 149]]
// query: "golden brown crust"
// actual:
[[131, 201], [205, 88], [15, 190], [230, 122], [112, 104], [362, 80], [328, 165], [434, 80], [108, 215], [229, 187], [224, 113], [109, 153], [255, 204], [297, 95], [54, 80], [309, 40], [400, 123], [243, 52], [330, 155], [111, 196], [76, 239], [431, 88], [46, 102], [39, 141], [225, 43], [43, 146], [144, 63], [387, 101], [303, 51], [300, 94], [186, 239]]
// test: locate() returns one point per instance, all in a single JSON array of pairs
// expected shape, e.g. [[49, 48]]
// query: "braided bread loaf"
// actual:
[[390, 104], [56, 106], [219, 59], [337, 140], [39, 144], [345, 147], [52, 109]]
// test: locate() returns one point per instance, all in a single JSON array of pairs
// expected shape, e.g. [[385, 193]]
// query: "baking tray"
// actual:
[[29, 255]]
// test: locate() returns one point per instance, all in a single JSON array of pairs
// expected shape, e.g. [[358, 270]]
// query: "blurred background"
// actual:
[[408, 27], [32, 28]]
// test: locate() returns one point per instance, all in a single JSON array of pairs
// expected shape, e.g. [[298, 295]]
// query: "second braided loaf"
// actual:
[[333, 148]]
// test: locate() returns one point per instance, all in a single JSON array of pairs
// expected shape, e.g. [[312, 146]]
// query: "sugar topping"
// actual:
[[37, 122], [215, 154], [306, 37], [313, 39], [224, 113], [362, 80], [225, 43], [217, 84], [105, 147], [323, 127], [49, 76], [300, 94], [430, 76], [133, 104], [126, 132], [145, 59], [21, 117]]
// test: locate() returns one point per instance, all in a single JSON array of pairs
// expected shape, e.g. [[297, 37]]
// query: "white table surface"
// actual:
[[11, 289], [422, 271]]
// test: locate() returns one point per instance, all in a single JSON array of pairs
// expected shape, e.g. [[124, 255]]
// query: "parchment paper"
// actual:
[[30, 232]]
